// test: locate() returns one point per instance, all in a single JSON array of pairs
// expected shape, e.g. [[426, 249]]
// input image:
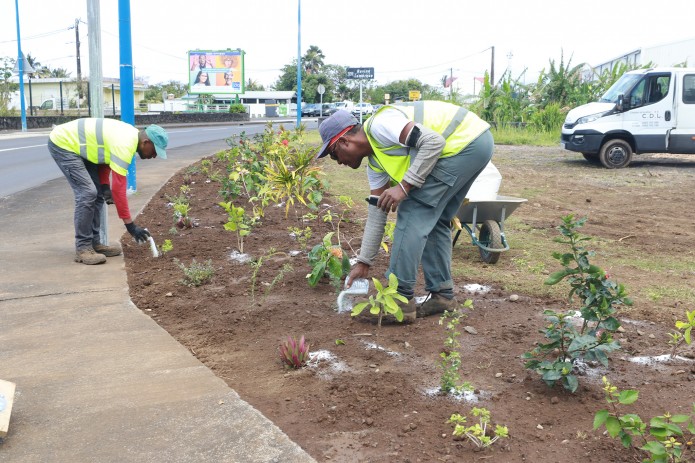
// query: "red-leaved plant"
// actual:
[[294, 354]]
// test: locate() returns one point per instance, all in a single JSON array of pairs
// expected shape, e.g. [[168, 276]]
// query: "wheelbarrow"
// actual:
[[484, 222]]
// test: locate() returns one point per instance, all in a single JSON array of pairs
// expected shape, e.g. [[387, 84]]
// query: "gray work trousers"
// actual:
[[83, 177], [423, 225]]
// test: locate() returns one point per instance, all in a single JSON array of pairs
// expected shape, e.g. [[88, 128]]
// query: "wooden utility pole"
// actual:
[[492, 68], [79, 65]]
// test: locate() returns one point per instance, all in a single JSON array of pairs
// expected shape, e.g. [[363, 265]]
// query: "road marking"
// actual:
[[21, 147]]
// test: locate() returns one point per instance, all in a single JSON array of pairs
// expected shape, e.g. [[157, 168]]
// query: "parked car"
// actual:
[[310, 110], [364, 108], [328, 109]]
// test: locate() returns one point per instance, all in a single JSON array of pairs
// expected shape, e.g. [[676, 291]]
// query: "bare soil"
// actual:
[[373, 397]]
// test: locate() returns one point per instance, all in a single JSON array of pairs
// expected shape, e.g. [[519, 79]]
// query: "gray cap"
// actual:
[[332, 127]]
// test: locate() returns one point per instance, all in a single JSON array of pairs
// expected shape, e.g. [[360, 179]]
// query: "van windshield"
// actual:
[[622, 86]]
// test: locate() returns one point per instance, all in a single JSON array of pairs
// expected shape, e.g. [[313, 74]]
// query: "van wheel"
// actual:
[[591, 157], [615, 154]]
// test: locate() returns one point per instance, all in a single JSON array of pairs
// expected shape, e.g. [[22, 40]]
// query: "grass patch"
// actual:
[[516, 136], [678, 293]]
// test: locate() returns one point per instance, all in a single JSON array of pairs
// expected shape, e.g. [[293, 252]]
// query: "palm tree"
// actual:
[[59, 73], [253, 85], [313, 60]]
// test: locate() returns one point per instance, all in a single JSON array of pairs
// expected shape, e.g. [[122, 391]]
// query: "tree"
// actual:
[[153, 94], [60, 73], [6, 86], [312, 61], [253, 85]]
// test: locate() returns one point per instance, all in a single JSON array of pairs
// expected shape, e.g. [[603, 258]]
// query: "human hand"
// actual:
[[361, 270], [106, 193], [391, 198], [140, 234]]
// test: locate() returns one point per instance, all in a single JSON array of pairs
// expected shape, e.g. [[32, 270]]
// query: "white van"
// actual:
[[645, 111], [346, 105]]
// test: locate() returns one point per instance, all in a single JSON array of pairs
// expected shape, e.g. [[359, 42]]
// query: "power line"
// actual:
[[39, 36]]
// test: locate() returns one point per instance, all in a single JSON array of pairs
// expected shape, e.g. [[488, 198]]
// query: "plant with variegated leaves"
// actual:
[[294, 354]]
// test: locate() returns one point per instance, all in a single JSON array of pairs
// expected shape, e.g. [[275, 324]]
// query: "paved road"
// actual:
[[25, 162]]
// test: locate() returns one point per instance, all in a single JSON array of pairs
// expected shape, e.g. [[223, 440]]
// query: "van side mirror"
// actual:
[[621, 101]]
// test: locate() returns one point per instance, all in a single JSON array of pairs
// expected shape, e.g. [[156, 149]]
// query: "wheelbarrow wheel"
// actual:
[[490, 236]]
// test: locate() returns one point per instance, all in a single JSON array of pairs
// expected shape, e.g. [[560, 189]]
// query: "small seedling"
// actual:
[[196, 274], [478, 432], [682, 333], [450, 356], [167, 246], [665, 439], [384, 303], [327, 259], [294, 354]]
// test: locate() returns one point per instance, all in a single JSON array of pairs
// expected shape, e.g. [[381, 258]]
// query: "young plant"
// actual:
[[682, 333], [236, 222], [477, 433], [167, 246], [347, 203], [450, 356], [598, 297], [301, 235], [384, 302], [667, 438], [294, 354], [181, 218], [256, 266], [196, 274], [327, 259]]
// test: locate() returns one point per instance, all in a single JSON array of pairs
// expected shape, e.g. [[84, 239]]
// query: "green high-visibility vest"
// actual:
[[457, 125], [100, 141]]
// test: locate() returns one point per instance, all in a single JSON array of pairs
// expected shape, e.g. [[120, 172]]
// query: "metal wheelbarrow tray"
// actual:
[[490, 215]]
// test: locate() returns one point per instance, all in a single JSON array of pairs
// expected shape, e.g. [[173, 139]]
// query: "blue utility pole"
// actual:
[[299, 62], [20, 64], [127, 94]]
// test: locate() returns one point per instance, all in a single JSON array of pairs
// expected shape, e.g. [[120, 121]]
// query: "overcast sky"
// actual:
[[400, 39]]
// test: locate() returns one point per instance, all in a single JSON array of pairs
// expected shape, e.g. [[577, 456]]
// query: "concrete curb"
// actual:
[[97, 380]]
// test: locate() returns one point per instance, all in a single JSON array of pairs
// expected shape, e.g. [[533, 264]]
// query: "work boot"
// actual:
[[409, 310], [436, 304], [108, 251], [87, 256]]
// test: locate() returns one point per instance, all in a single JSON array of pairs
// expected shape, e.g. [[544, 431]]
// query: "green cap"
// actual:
[[159, 138]]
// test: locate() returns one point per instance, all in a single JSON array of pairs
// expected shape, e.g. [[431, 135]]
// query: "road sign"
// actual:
[[321, 89], [414, 95], [360, 73]]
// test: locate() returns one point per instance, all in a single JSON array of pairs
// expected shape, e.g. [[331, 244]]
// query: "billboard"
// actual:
[[216, 71]]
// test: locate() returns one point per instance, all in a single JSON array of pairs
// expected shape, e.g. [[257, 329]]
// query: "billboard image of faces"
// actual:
[[219, 71]]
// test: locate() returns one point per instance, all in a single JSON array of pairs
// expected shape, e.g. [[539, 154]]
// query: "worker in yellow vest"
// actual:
[[422, 159], [89, 149]]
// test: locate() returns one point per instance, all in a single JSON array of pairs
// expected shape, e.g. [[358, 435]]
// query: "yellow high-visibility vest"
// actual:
[[457, 125], [100, 141]]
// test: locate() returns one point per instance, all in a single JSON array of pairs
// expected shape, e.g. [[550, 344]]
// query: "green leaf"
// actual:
[[680, 418], [626, 440], [655, 448], [600, 418], [556, 277], [610, 323], [571, 383], [552, 375], [357, 309], [628, 396], [613, 426]]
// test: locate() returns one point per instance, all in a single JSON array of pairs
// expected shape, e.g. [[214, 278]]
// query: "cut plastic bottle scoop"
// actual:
[[346, 298]]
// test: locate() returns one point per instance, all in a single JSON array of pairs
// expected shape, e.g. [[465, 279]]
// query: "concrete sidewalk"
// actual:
[[97, 380]]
